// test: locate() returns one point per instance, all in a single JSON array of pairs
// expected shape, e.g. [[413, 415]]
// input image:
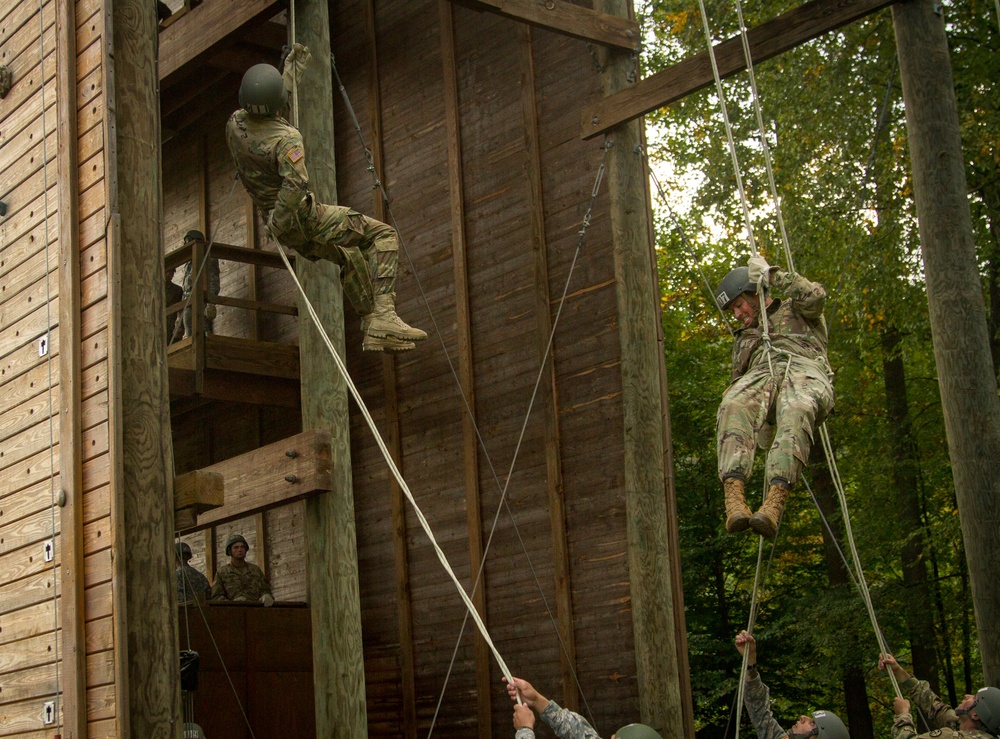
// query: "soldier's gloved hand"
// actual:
[[211, 311], [758, 268], [295, 65], [267, 599]]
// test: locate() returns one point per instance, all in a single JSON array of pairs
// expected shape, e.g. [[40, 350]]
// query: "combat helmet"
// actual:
[[235, 539], [987, 706], [829, 725], [733, 285], [637, 731], [183, 550], [262, 91]]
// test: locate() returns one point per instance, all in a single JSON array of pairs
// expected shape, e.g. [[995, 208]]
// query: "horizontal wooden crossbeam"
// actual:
[[766, 41], [198, 30], [563, 17], [274, 475]]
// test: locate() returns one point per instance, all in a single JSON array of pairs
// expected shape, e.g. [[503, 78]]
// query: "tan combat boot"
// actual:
[[737, 511], [384, 323], [765, 521]]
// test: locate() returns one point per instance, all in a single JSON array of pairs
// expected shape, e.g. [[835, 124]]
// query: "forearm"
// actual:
[[902, 726], [524, 733], [924, 699], [567, 724], [757, 699], [809, 297]]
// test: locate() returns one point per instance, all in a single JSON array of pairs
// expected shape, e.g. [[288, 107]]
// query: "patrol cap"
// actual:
[[733, 285], [235, 539], [987, 707], [829, 725], [637, 731], [183, 550], [262, 91]]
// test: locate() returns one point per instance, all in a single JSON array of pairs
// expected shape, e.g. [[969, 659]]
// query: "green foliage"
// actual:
[[835, 124]]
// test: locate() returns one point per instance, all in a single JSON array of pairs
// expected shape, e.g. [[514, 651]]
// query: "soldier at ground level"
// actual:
[[214, 284], [241, 580], [780, 385], [976, 717], [565, 723], [190, 582], [271, 162], [757, 699]]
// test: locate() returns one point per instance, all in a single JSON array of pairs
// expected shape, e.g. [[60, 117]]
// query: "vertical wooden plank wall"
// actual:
[[71, 382]]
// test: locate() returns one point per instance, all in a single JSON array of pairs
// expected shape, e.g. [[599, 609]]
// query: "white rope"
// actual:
[[729, 128], [393, 468], [859, 571], [763, 137]]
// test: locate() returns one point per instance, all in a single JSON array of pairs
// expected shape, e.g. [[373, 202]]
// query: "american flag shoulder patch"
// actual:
[[295, 154]]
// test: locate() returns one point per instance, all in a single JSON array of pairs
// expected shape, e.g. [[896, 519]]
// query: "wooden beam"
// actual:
[[71, 538], [565, 18], [206, 25], [548, 389], [176, 257], [277, 474], [649, 567], [331, 538], [466, 362], [236, 387], [766, 41], [199, 489]]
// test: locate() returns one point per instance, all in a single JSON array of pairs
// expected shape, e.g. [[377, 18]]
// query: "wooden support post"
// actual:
[[955, 297], [548, 393], [646, 510], [142, 479], [331, 538], [197, 308], [71, 539], [397, 502], [463, 324]]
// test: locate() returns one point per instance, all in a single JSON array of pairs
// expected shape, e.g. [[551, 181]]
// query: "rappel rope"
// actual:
[[57, 695], [392, 464], [377, 184]]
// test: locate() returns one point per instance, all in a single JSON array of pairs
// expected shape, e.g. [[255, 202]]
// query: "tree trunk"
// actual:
[[955, 298], [905, 478], [991, 198], [859, 714]]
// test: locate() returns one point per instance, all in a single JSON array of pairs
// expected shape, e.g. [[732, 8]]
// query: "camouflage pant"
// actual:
[[795, 402], [212, 268], [366, 251]]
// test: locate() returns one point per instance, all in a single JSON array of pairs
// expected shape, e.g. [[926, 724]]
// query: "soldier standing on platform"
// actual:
[[241, 580]]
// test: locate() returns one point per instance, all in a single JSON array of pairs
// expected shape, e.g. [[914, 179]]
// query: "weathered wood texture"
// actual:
[[488, 179]]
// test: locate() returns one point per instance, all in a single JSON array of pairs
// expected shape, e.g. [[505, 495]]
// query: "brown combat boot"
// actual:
[[765, 521], [384, 323], [737, 511]]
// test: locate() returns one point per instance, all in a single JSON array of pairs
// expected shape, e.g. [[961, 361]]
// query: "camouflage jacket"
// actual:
[[795, 325], [191, 582], [757, 699], [565, 723], [271, 163], [941, 717], [247, 582]]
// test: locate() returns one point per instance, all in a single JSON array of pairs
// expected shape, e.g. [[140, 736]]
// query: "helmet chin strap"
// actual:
[[793, 735]]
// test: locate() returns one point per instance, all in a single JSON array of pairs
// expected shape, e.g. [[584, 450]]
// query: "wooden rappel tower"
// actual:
[[501, 131]]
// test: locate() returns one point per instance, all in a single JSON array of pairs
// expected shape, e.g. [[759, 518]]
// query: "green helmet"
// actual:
[[235, 539], [987, 707], [733, 285], [637, 731], [262, 91], [829, 725]]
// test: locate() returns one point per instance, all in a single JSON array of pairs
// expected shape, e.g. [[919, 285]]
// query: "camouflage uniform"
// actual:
[[565, 723], [271, 162], [190, 582], [757, 699], [174, 294], [939, 716], [213, 288], [795, 399], [247, 582]]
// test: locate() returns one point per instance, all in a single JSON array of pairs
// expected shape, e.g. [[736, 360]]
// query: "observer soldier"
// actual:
[[976, 717], [214, 283], [782, 380], [241, 580], [271, 162], [190, 582]]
